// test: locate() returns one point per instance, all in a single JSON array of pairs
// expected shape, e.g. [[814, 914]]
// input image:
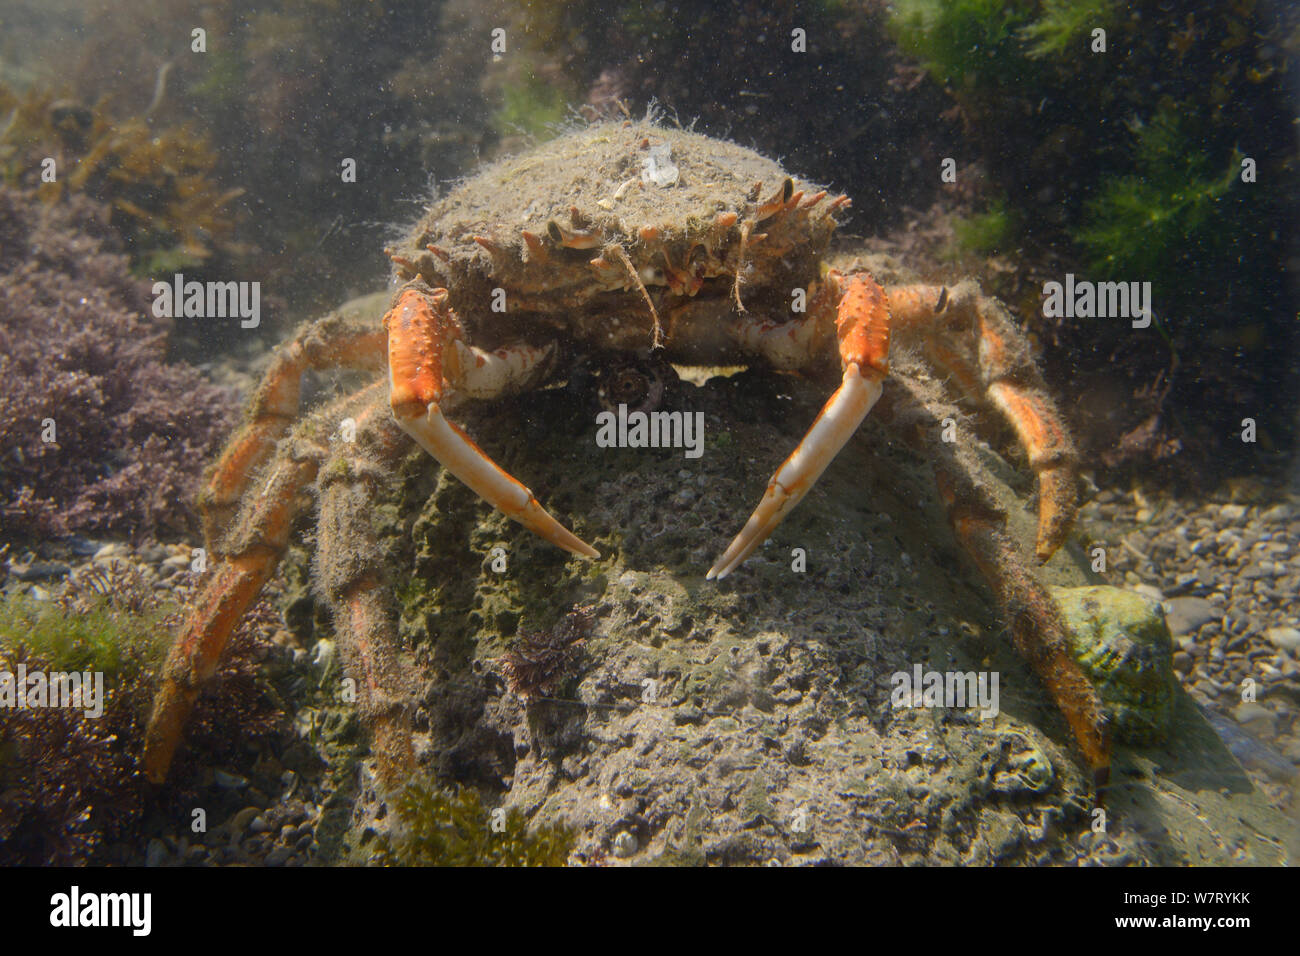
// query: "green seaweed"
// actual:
[[106, 637], [530, 105], [453, 827], [964, 42], [1136, 225], [1064, 24], [987, 232]]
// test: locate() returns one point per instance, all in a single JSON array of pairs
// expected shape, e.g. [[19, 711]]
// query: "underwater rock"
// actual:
[[750, 721], [1122, 642]]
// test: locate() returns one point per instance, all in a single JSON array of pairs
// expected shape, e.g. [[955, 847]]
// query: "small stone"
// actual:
[[82, 547], [1148, 591], [1258, 718], [155, 853], [258, 824], [177, 561], [1182, 662], [229, 781], [1187, 615], [688, 714], [39, 570], [279, 855], [112, 550], [624, 845], [1284, 638], [1232, 512], [154, 553], [243, 820]]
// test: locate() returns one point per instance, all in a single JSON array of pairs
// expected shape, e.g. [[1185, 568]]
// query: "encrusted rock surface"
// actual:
[[750, 721]]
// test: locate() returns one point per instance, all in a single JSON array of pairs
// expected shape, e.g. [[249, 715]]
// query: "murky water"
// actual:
[[411, 372]]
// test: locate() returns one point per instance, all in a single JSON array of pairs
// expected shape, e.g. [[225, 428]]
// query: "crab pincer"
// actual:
[[862, 324], [423, 332]]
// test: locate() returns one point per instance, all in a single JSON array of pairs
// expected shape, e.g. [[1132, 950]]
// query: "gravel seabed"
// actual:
[[1227, 570]]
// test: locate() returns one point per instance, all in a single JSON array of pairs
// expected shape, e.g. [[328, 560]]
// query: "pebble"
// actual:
[[624, 845], [179, 562], [229, 781], [1257, 718], [1284, 638], [39, 570], [1187, 615], [156, 853], [154, 553], [82, 547], [1148, 591], [243, 820]]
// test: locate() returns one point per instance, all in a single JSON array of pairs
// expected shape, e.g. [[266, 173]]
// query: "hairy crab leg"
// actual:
[[862, 323], [332, 342], [1009, 379], [422, 330], [1036, 629], [251, 551], [350, 569], [1032, 615]]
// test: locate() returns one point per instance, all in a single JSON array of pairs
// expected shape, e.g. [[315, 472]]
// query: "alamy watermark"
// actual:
[[208, 300], [651, 430], [952, 689], [77, 909], [1082, 299], [24, 690]]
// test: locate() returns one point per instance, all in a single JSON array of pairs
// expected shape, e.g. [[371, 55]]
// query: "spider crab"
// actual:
[[615, 237]]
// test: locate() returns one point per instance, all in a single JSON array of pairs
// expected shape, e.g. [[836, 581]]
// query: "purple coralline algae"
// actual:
[[99, 433]]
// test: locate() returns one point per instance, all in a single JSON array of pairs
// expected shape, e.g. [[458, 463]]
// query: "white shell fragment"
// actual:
[[658, 168]]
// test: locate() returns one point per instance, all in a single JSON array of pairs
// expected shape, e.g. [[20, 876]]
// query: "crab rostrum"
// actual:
[[619, 236]]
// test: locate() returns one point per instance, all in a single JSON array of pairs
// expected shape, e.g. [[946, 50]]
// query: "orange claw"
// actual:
[[422, 333], [862, 322]]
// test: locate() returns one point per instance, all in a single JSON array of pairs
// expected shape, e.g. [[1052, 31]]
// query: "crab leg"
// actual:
[[1033, 618], [1006, 376], [422, 331], [334, 342], [252, 550], [862, 323]]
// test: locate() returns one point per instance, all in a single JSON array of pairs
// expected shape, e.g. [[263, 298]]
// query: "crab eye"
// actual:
[[652, 276]]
